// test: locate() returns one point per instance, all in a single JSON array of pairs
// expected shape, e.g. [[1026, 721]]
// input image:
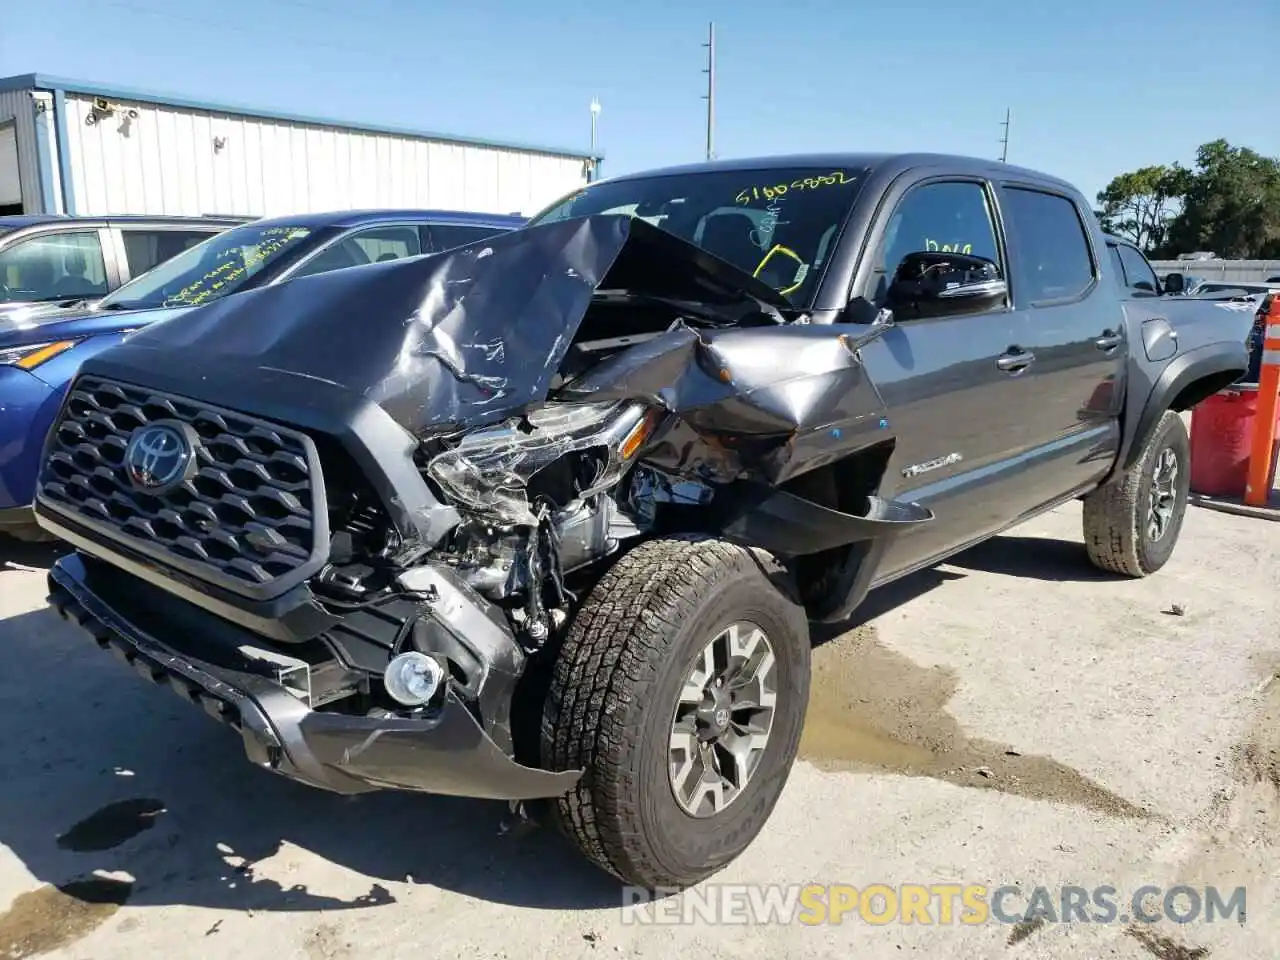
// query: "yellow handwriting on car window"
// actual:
[[772, 191], [198, 291], [802, 268], [932, 246]]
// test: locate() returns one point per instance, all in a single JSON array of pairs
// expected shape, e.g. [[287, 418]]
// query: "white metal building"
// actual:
[[67, 146]]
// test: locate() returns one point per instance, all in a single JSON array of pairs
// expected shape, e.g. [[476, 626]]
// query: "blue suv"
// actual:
[[42, 347]]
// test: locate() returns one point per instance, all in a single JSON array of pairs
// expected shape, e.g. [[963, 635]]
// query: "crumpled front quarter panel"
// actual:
[[767, 403]]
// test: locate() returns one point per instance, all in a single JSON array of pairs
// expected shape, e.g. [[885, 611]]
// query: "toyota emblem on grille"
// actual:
[[158, 456]]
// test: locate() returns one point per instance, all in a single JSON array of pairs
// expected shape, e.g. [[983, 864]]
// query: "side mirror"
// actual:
[[1174, 283], [933, 283]]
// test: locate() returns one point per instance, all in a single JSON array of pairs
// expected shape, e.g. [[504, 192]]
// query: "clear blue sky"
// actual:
[[1096, 88]]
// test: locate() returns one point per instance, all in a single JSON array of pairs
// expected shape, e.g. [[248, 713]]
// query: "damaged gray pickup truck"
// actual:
[[547, 518]]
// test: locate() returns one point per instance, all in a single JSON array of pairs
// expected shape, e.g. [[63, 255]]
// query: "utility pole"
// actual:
[[710, 95], [1004, 141], [595, 116]]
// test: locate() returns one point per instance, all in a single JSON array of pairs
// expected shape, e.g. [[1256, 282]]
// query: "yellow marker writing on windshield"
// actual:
[[774, 190], [230, 270], [786, 252]]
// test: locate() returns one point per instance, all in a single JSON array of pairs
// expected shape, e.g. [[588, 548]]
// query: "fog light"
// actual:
[[413, 678]]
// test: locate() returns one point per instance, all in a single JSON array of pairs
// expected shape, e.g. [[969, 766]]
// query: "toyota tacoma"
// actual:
[[546, 518]]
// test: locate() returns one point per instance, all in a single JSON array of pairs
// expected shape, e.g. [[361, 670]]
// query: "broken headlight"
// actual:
[[490, 471]]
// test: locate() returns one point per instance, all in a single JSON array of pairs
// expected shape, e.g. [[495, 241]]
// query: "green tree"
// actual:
[[1230, 204], [1140, 205]]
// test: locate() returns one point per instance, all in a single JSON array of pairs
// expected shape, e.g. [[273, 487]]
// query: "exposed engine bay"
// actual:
[[538, 501]]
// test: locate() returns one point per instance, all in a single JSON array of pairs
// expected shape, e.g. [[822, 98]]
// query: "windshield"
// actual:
[[777, 224], [219, 266]]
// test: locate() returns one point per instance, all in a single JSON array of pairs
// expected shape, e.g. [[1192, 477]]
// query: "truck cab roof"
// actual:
[[873, 162]]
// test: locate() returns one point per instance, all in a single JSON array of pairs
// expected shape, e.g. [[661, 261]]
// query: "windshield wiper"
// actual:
[[59, 301]]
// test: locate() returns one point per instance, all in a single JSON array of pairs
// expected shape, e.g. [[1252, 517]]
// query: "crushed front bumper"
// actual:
[[448, 753]]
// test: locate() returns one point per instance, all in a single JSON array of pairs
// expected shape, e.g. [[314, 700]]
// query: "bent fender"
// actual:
[[788, 525]]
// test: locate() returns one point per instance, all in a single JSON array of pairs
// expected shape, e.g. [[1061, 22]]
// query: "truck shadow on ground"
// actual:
[[108, 778], [104, 773], [120, 779], [1033, 558]]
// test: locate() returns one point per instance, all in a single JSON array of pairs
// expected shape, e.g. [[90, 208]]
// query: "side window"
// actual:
[[57, 266], [368, 246], [1138, 273], [947, 217], [1052, 247], [1117, 264], [144, 249], [446, 236], [388, 243]]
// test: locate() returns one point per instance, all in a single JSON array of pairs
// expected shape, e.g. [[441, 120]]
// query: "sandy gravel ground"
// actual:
[[1012, 717]]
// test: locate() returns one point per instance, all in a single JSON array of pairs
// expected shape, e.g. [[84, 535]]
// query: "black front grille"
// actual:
[[243, 518]]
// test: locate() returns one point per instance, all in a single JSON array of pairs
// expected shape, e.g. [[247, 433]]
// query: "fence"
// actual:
[[1245, 271]]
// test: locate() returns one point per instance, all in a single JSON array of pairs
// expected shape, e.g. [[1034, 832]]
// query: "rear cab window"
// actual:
[[1053, 261], [1140, 279], [1113, 254]]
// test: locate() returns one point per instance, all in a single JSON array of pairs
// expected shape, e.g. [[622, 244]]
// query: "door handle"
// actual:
[[1015, 360], [1108, 341]]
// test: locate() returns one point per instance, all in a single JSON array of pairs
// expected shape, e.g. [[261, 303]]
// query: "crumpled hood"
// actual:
[[466, 337]]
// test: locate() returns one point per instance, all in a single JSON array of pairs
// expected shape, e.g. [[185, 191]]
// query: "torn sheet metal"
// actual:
[[463, 338], [764, 404], [788, 525]]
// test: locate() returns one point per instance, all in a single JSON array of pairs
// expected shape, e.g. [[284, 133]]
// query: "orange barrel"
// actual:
[[1221, 438]]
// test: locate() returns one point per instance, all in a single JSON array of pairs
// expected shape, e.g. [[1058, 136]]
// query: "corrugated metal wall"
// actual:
[[167, 161], [1243, 271], [18, 105]]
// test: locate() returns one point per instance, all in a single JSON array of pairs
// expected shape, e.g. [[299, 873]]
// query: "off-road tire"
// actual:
[[614, 690], [1115, 515]]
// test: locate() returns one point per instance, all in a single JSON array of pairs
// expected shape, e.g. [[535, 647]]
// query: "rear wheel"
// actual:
[[681, 688], [1132, 524]]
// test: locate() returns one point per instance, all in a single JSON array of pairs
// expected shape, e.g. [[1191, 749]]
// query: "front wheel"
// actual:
[[681, 688], [1132, 524]]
